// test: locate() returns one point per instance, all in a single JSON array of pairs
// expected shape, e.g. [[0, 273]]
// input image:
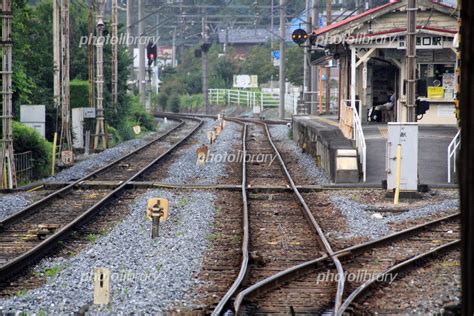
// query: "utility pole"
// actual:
[[114, 55], [281, 109], [90, 54], [306, 61], [411, 60], [272, 24], [65, 140], [314, 69], [141, 51], [205, 63], [8, 175], [130, 47], [56, 55], [99, 137], [173, 56], [328, 69]]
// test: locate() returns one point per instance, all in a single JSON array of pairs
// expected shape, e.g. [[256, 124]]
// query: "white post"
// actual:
[[353, 77]]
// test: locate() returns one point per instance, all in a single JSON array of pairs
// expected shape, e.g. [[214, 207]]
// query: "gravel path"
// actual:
[[146, 276], [359, 218], [305, 161], [96, 161], [185, 169]]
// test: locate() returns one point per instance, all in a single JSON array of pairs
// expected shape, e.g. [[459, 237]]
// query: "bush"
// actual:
[[79, 92], [25, 139], [173, 103], [136, 115], [163, 100], [116, 138], [192, 102]]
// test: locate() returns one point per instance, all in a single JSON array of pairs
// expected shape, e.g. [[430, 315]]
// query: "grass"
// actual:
[[21, 292], [290, 133], [92, 237], [182, 202], [52, 271], [212, 236]]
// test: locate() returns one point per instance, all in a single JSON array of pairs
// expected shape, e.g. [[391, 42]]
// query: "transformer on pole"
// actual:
[[8, 175]]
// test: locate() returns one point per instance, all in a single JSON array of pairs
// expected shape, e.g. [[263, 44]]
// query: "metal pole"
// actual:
[[90, 55], [173, 60], [306, 60], [328, 70], [65, 140], [411, 60], [56, 54], [272, 25], [466, 158], [99, 138], [141, 51], [314, 69], [282, 58], [114, 55], [205, 66], [130, 4], [8, 175]]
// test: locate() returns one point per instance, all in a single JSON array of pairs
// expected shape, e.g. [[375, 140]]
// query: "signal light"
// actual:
[[299, 36], [313, 39], [151, 53]]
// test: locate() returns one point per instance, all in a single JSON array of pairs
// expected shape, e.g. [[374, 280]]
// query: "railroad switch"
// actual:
[[157, 211]]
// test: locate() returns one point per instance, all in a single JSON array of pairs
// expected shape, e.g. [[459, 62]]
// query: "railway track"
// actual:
[[279, 232], [276, 279], [34, 231], [373, 262]]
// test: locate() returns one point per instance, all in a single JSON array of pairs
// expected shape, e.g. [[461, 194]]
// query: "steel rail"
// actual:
[[302, 268], [312, 219], [70, 186], [307, 213], [402, 266], [31, 255], [246, 236]]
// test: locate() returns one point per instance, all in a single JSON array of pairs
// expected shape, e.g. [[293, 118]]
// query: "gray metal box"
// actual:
[[34, 116], [405, 134]]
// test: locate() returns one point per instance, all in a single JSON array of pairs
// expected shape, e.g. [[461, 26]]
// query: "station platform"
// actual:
[[432, 147]]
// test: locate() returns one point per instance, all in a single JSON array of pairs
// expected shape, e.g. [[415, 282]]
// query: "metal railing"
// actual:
[[242, 98], [24, 167], [452, 152], [358, 136]]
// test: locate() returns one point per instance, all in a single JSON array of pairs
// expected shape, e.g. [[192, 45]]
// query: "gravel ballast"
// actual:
[[305, 161], [359, 219], [146, 275], [96, 161], [185, 170], [12, 203]]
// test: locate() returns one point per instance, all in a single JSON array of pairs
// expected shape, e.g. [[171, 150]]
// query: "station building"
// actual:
[[371, 49]]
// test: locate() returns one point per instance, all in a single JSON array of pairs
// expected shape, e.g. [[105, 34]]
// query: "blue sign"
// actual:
[[276, 54]]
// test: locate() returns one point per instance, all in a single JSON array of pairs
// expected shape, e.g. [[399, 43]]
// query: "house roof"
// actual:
[[355, 18], [385, 9]]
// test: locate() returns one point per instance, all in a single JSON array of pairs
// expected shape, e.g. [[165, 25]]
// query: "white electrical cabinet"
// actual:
[[406, 135], [34, 116]]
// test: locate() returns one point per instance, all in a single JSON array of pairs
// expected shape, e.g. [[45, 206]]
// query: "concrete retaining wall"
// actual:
[[321, 141]]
